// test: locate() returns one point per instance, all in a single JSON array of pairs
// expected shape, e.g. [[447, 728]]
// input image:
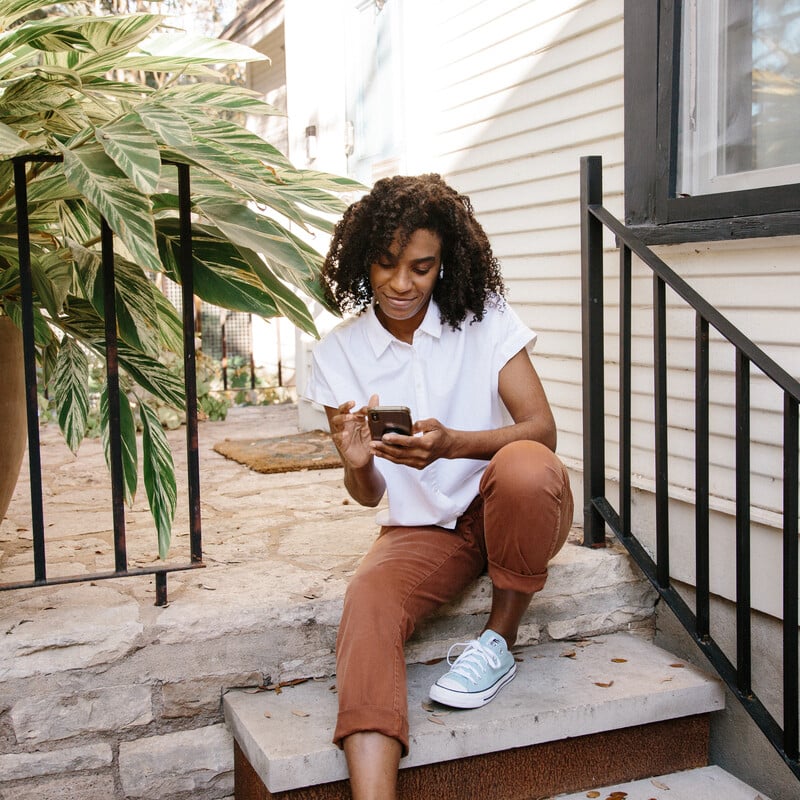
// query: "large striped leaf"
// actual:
[[132, 148], [51, 184], [111, 33], [52, 276], [222, 96], [70, 392], [53, 33], [199, 48], [227, 137], [82, 321], [112, 39], [233, 161], [127, 429], [153, 376], [320, 180], [79, 221], [287, 302], [164, 123], [248, 188], [221, 276], [12, 145], [137, 312], [42, 332], [246, 227], [129, 213], [9, 276], [170, 323], [12, 10], [158, 469], [101, 88]]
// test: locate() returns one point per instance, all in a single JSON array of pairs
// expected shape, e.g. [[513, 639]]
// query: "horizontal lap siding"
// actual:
[[754, 285], [524, 90], [268, 78]]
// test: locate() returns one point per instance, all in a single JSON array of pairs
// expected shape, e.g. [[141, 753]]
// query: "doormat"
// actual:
[[309, 450]]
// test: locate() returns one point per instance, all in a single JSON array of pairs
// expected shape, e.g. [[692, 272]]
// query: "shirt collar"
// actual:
[[380, 338]]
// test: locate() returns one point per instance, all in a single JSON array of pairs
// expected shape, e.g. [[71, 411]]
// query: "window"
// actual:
[[712, 114]]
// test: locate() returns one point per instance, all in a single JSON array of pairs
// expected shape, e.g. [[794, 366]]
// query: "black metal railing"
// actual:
[[121, 568], [599, 512]]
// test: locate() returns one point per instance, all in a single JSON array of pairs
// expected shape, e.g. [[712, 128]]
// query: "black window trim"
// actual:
[[652, 47]]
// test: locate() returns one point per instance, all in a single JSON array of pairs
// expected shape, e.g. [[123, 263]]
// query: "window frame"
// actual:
[[651, 148]]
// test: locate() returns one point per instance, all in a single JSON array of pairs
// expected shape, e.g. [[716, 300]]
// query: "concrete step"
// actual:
[[576, 715], [705, 783]]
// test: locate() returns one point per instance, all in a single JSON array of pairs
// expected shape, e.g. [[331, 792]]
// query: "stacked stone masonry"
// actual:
[[103, 695]]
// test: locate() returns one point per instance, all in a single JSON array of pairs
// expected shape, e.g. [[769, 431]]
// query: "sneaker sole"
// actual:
[[456, 699]]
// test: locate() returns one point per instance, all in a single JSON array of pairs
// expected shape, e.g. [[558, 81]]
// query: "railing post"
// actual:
[[593, 357]]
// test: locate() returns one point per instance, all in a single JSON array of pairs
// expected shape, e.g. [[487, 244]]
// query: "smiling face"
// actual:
[[402, 282]]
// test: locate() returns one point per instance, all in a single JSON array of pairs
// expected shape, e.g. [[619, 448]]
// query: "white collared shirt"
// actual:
[[449, 375]]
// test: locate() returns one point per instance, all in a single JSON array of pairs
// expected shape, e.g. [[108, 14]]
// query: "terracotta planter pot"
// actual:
[[13, 420]]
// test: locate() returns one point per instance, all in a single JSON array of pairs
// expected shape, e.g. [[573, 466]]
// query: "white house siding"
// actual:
[[526, 89]]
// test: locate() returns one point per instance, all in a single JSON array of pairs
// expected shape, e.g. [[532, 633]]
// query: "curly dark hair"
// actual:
[[401, 205]]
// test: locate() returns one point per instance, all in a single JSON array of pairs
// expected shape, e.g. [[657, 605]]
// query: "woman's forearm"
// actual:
[[484, 444], [364, 484]]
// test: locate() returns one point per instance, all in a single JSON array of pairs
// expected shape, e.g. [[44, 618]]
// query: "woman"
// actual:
[[470, 490]]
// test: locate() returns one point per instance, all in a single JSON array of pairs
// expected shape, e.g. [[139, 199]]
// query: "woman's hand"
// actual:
[[432, 442], [350, 433]]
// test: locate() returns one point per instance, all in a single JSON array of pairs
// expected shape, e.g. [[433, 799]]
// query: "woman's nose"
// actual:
[[401, 280]]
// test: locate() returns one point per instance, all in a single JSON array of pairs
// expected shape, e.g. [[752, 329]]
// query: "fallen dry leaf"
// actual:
[[617, 795], [267, 715], [593, 794], [427, 705], [568, 654], [659, 785], [299, 713], [604, 685], [437, 721], [678, 665], [619, 660]]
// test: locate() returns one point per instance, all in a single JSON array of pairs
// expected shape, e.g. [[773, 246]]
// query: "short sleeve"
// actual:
[[511, 334], [317, 389]]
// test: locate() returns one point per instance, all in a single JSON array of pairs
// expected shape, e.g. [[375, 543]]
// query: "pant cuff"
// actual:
[[371, 718], [503, 578]]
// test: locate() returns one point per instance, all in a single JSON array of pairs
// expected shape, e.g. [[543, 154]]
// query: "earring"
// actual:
[[441, 270]]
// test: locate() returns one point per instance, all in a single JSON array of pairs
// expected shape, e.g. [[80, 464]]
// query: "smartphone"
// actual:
[[389, 419]]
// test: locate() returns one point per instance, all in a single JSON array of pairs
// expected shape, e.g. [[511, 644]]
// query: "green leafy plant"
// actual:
[[66, 89]]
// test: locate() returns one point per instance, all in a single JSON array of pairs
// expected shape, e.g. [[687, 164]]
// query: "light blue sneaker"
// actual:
[[477, 675]]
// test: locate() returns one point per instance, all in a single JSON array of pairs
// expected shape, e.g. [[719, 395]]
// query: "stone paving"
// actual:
[[241, 513]]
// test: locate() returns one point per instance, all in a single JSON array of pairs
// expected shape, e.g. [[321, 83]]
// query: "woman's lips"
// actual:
[[400, 303]]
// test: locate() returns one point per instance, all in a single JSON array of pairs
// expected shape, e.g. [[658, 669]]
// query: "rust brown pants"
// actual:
[[513, 528]]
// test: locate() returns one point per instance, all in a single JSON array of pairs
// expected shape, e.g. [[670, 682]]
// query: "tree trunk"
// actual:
[[13, 420]]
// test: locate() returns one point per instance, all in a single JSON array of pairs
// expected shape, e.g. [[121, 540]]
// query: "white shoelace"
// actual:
[[471, 663]]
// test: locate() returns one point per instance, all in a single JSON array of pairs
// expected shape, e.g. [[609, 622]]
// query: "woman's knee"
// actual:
[[525, 468]]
